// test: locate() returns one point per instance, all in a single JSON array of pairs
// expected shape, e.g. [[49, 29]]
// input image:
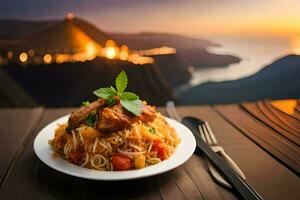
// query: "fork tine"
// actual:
[[212, 136], [202, 134], [208, 139], [169, 113], [171, 110]]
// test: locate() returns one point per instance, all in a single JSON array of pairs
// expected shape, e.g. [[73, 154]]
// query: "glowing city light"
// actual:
[[31, 52], [123, 55], [70, 16], [10, 54], [157, 51], [60, 58], [140, 60], [110, 52], [47, 58], [23, 57], [110, 43], [91, 51]]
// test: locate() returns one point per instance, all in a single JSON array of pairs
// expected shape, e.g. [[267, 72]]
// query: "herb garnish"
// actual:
[[91, 119], [85, 103], [152, 130], [129, 100]]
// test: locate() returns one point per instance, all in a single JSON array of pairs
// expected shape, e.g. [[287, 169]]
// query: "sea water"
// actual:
[[255, 54]]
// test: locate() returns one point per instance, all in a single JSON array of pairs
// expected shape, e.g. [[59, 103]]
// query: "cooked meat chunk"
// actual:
[[148, 113], [115, 118], [79, 116]]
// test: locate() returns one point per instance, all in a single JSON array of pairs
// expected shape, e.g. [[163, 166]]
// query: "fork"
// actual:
[[208, 136]]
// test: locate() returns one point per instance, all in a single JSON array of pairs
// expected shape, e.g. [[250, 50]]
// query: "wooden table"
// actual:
[[24, 176]]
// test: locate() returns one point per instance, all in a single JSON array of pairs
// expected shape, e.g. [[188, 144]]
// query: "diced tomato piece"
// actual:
[[121, 163], [75, 157], [160, 150]]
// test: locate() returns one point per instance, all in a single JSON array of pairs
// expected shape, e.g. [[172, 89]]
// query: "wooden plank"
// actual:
[[275, 144], [31, 179], [196, 168], [144, 188], [263, 172], [16, 127], [289, 121], [185, 183], [169, 188], [262, 113]]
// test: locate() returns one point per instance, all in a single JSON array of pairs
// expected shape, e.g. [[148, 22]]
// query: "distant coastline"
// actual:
[[255, 54], [278, 80]]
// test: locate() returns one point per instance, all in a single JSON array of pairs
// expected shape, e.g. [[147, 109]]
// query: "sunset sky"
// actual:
[[194, 18]]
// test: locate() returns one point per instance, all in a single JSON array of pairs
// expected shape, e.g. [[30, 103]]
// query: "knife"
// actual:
[[243, 189]]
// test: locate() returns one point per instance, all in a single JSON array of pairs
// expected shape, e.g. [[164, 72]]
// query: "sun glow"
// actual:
[[288, 106], [295, 45]]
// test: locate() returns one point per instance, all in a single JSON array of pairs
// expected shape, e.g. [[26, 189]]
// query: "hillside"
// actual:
[[172, 67], [17, 28], [150, 40], [68, 84], [278, 80], [190, 51]]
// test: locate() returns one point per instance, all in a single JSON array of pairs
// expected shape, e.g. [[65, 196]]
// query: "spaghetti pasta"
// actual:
[[88, 147]]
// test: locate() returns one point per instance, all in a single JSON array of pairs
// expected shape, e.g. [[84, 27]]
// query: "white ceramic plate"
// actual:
[[45, 153]]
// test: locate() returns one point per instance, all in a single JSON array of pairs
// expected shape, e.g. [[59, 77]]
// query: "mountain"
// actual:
[[200, 58], [61, 35], [172, 67], [148, 40], [92, 31], [278, 80], [190, 51], [17, 28]]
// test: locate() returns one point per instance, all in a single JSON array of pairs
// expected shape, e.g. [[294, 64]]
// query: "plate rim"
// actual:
[[113, 178]]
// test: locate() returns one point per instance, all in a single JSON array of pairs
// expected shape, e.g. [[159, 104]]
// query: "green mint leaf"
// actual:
[[91, 119], [111, 102], [85, 103], [121, 82], [129, 96], [133, 106], [105, 93], [113, 89]]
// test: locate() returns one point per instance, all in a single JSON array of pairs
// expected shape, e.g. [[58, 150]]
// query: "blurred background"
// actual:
[[54, 53]]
